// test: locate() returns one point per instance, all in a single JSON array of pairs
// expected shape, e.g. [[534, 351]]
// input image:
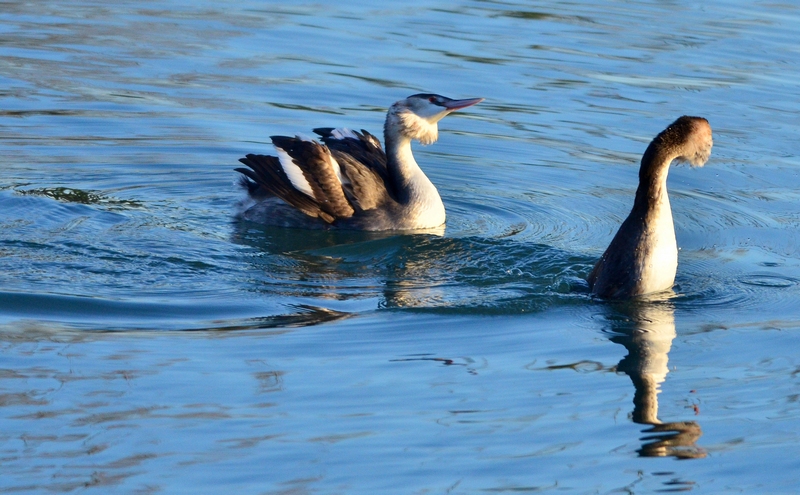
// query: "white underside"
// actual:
[[658, 272], [425, 209], [428, 212]]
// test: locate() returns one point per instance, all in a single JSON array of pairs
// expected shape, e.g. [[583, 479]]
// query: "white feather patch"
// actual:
[[334, 164], [294, 173], [338, 170], [343, 133]]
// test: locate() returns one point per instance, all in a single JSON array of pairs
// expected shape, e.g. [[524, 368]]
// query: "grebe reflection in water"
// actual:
[[647, 329]]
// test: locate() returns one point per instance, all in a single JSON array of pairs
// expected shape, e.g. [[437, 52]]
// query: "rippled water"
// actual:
[[152, 343]]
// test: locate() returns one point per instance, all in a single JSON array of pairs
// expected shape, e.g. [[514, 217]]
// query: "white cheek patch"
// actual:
[[433, 113], [343, 133], [429, 134], [294, 173], [420, 129]]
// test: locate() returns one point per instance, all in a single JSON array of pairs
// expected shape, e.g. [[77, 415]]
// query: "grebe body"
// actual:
[[348, 181], [643, 256]]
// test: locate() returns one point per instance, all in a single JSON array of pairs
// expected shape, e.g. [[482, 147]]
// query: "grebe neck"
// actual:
[[652, 190], [409, 181]]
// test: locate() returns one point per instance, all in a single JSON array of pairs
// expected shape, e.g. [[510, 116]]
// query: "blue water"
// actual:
[[152, 343]]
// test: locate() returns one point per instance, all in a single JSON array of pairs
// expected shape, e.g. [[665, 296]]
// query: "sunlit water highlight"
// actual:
[[152, 343]]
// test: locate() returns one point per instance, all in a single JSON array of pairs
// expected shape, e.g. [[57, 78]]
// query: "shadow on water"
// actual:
[[420, 272], [74, 195], [45, 315], [647, 329]]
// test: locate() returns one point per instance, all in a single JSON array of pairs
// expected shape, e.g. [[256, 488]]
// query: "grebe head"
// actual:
[[417, 116], [691, 139]]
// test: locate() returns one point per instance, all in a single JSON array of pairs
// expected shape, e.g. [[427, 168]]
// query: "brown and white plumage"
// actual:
[[643, 256], [347, 180]]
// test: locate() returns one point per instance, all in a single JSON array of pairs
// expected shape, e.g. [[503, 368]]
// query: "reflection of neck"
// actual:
[[645, 400], [648, 344], [676, 439], [647, 360]]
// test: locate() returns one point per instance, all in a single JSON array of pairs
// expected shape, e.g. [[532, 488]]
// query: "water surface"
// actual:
[[153, 343]]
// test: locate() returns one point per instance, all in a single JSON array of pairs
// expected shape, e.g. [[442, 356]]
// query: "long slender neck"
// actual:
[[408, 180], [651, 195]]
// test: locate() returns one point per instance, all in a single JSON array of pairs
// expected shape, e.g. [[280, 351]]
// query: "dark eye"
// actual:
[[432, 99]]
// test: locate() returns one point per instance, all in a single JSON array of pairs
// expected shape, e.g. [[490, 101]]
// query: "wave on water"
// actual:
[[421, 272], [705, 285]]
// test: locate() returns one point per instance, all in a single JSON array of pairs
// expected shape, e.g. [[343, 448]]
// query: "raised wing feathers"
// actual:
[[346, 174], [320, 170], [267, 172], [362, 146]]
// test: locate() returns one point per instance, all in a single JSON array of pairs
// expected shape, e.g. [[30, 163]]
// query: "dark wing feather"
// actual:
[[316, 162], [267, 172], [366, 149], [364, 162], [250, 182], [366, 189]]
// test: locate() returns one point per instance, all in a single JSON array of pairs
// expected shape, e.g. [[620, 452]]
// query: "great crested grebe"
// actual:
[[347, 181], [643, 256]]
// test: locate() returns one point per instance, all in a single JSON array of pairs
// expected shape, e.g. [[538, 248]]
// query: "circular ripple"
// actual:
[[706, 286], [768, 280], [529, 219]]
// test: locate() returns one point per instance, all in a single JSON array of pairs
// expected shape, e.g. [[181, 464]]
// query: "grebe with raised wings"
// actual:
[[643, 256], [348, 181]]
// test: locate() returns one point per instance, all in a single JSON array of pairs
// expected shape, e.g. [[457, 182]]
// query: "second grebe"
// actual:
[[643, 256]]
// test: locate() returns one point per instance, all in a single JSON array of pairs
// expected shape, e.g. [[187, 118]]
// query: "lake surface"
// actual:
[[152, 343]]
